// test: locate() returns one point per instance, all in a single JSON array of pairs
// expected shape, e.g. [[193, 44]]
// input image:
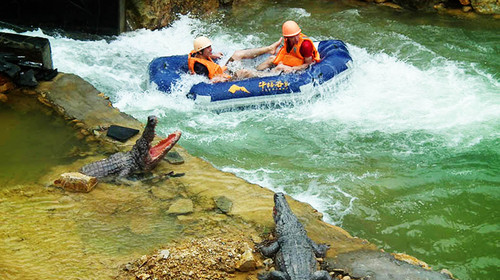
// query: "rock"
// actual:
[[487, 7], [142, 260], [447, 272], [128, 267], [224, 204], [381, 265], [338, 271], [181, 206], [84, 132], [143, 276], [173, 157], [247, 261], [256, 238], [76, 182], [3, 97], [268, 263], [410, 259], [5, 85], [466, 9], [459, 13], [155, 14], [391, 5], [440, 7], [164, 254]]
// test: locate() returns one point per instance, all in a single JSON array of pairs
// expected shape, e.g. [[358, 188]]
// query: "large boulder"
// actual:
[[155, 14], [487, 7]]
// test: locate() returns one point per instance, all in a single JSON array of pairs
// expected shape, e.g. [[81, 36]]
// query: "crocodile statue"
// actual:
[[294, 252], [142, 157]]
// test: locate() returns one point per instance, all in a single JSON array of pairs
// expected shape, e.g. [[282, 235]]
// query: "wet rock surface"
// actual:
[[174, 158], [191, 205], [381, 265], [154, 14], [223, 204]]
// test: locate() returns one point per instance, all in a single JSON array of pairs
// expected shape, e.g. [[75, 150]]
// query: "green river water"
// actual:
[[404, 154]]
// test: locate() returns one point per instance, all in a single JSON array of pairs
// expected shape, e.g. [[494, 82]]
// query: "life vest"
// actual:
[[294, 58], [214, 69]]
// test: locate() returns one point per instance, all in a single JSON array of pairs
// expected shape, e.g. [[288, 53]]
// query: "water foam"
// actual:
[[387, 94]]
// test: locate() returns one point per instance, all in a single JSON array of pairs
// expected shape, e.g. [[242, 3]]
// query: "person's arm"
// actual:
[[219, 79], [290, 69]]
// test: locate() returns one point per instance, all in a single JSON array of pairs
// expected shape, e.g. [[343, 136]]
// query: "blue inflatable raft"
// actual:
[[335, 61]]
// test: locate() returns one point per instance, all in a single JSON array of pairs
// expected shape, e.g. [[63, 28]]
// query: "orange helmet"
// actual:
[[290, 28], [200, 43]]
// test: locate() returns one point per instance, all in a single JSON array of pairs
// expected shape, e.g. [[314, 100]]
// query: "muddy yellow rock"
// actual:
[[76, 182], [247, 261]]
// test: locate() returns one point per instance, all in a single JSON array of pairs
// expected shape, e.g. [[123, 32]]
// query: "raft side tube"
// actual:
[[165, 71], [306, 93]]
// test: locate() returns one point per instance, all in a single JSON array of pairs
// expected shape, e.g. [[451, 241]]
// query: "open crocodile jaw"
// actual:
[[160, 150]]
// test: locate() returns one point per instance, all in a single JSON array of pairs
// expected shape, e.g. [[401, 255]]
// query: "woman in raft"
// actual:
[[201, 60]]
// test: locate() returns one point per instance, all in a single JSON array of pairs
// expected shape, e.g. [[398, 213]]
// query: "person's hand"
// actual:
[[219, 79], [284, 68], [217, 55]]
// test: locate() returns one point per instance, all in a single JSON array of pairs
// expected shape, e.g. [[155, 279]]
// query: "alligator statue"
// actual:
[[294, 252], [142, 157]]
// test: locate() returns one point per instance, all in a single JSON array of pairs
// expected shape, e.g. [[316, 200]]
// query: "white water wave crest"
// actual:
[[387, 94]]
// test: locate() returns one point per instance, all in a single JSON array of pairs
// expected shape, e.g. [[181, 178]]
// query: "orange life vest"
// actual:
[[294, 58], [214, 69]]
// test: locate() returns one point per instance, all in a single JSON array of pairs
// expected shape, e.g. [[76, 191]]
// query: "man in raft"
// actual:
[[201, 60], [297, 53]]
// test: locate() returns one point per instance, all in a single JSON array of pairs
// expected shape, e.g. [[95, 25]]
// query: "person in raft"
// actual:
[[297, 53], [201, 60]]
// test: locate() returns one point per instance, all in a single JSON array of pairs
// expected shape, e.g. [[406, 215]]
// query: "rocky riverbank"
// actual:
[[155, 14], [218, 217]]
